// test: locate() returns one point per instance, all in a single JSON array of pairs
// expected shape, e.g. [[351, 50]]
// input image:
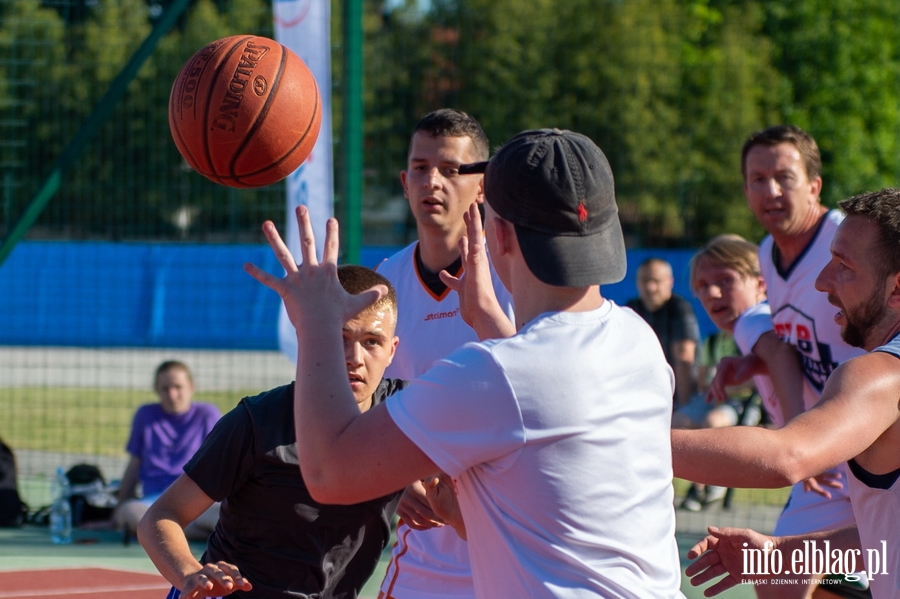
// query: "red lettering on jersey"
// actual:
[[804, 339]]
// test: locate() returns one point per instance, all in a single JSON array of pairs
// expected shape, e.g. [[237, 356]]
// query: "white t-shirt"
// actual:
[[434, 563], [559, 441], [748, 328], [802, 316]]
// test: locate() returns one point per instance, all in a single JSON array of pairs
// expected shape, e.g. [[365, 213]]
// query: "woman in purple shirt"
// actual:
[[164, 436]]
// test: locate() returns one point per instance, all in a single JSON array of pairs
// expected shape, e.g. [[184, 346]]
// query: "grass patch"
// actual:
[[776, 497], [98, 421], [91, 421]]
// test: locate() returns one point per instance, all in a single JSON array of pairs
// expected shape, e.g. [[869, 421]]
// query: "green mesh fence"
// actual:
[[668, 88]]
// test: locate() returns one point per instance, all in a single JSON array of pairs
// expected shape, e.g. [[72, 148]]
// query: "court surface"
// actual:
[[98, 565], [100, 583]]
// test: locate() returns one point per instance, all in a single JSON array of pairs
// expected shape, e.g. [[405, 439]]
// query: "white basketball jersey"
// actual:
[[801, 315], [877, 511], [876, 503], [430, 327], [434, 563]]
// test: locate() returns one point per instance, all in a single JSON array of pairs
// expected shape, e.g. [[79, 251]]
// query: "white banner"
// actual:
[[304, 26]]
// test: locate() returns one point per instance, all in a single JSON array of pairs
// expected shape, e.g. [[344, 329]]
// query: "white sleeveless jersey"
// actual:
[[434, 563], [876, 503], [429, 327], [802, 316], [877, 510]]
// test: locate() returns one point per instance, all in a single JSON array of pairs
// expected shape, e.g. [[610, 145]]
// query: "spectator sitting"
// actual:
[[163, 438]]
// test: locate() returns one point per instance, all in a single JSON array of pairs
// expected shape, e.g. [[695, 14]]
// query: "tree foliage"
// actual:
[[668, 88]]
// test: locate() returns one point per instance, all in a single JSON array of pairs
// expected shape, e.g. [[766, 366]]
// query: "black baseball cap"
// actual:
[[557, 188]]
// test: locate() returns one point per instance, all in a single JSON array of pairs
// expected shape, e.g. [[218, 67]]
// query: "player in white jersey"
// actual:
[[522, 423], [857, 419], [781, 168], [806, 319], [432, 321], [428, 561]]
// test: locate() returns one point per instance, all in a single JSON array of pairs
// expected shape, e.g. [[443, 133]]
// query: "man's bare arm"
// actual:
[[161, 533], [783, 363], [859, 404], [723, 551]]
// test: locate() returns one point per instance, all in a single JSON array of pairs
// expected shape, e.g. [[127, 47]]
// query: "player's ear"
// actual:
[[816, 187], [403, 183], [393, 350], [479, 199], [893, 289], [504, 234]]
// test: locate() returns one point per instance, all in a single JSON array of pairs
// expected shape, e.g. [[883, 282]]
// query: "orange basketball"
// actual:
[[245, 111]]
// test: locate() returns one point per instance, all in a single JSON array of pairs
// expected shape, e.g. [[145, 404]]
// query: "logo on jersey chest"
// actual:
[[799, 330], [439, 315]]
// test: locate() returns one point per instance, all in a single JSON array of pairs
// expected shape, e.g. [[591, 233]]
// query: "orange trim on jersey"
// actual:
[[395, 562], [437, 298]]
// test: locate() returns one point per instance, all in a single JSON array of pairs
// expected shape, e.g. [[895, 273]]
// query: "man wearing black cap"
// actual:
[[557, 438]]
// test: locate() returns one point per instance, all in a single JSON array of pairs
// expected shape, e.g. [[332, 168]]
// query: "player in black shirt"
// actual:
[[272, 539]]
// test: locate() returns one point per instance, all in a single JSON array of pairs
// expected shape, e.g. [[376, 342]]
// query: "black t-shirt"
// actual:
[[673, 321], [284, 542]]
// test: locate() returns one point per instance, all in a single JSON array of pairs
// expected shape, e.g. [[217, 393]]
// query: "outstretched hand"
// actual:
[[214, 580], [721, 552], [311, 291], [732, 371], [478, 303], [818, 484]]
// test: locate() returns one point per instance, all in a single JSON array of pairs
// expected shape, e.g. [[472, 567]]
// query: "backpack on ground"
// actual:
[[12, 509], [91, 498]]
